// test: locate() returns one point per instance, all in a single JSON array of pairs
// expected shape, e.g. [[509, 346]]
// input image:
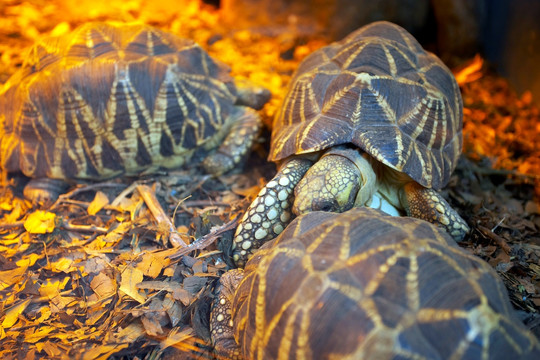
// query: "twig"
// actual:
[[499, 240], [197, 203], [205, 240], [77, 190], [84, 228], [116, 202], [159, 214]]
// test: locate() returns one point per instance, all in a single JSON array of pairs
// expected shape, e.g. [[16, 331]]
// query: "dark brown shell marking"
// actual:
[[379, 90], [108, 100], [364, 285]]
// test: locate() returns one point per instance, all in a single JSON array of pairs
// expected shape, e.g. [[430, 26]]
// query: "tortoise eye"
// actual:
[[325, 205]]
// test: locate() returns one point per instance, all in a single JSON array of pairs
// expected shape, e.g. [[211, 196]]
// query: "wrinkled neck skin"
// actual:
[[390, 186]]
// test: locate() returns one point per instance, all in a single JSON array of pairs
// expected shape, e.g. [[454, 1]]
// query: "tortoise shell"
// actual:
[[361, 285], [379, 90], [107, 100]]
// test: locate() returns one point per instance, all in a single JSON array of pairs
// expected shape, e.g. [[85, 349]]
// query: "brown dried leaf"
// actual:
[[183, 295], [194, 283], [100, 201], [151, 264], [130, 278], [10, 277], [103, 286], [151, 325], [173, 308]]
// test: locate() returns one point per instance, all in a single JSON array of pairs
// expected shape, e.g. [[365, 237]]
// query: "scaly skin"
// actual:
[[270, 212], [429, 205], [237, 144], [341, 179], [221, 324]]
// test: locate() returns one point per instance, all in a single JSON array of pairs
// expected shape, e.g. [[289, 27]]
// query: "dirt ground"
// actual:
[[98, 273]]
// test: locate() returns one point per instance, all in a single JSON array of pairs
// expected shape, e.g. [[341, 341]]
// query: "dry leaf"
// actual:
[[173, 308], [40, 222], [152, 264], [103, 286], [29, 260], [53, 287], [100, 201], [130, 333], [10, 277], [152, 325], [130, 278], [183, 295], [63, 265], [33, 335], [179, 338], [12, 314], [103, 352]]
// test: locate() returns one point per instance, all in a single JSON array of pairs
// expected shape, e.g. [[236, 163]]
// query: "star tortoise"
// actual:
[[372, 120], [365, 285], [112, 99]]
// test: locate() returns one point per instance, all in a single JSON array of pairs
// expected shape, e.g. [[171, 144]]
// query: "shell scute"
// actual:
[[107, 100], [401, 103]]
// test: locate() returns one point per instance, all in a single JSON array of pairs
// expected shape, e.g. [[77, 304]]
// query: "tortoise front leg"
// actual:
[[235, 147], [270, 212], [428, 204]]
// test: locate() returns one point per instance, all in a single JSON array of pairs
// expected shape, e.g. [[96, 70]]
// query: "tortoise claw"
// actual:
[[428, 204]]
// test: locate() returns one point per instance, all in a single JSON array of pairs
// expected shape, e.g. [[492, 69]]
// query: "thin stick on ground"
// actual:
[[159, 214]]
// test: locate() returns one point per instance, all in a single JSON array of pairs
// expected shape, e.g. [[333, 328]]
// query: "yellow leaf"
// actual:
[[103, 352], [152, 264], [52, 288], [130, 278], [40, 222], [45, 314], [10, 277], [100, 201], [12, 314], [35, 334], [130, 333], [29, 260], [103, 286], [64, 265]]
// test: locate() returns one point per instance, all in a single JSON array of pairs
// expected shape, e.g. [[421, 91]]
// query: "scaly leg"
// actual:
[[221, 322], [270, 212], [237, 144], [429, 205]]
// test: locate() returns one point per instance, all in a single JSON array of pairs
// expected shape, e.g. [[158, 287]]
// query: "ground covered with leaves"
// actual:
[[124, 269]]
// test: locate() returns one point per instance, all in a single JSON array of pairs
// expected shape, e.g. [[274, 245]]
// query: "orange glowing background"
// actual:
[[41, 306]]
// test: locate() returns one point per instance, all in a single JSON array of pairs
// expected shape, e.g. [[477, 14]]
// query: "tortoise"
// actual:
[[366, 285], [371, 120], [111, 99]]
